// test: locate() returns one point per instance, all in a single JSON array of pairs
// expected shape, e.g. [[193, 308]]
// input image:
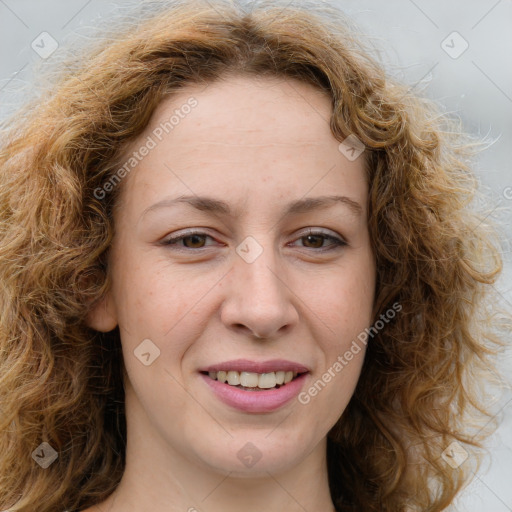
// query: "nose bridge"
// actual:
[[257, 266], [261, 274], [258, 296]]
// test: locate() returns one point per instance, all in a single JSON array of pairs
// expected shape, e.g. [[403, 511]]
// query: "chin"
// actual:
[[253, 456]]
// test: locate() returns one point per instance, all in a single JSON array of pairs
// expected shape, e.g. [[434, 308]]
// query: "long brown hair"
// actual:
[[60, 382]]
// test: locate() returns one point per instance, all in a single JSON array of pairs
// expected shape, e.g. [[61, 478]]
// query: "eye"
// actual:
[[191, 240], [310, 240], [315, 239]]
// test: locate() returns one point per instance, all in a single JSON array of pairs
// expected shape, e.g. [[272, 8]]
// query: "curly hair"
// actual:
[[60, 381]]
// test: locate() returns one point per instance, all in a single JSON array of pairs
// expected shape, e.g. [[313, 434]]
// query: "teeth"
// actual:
[[233, 378], [253, 380], [248, 380], [267, 380]]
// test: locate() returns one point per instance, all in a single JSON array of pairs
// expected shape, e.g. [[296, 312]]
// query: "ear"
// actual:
[[102, 317]]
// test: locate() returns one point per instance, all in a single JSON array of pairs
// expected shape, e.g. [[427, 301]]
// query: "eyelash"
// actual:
[[337, 243]]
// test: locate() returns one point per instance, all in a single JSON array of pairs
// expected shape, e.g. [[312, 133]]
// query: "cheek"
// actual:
[[165, 305], [324, 399], [344, 303], [149, 296], [343, 299]]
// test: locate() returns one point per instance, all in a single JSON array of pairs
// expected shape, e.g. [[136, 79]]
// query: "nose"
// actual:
[[258, 298]]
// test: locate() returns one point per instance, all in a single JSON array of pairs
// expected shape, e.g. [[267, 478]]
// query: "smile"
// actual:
[[251, 381], [255, 386]]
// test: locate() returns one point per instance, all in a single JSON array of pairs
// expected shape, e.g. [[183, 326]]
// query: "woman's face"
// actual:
[[242, 175]]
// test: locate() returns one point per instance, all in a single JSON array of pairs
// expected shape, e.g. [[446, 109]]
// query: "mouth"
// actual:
[[255, 387], [251, 381]]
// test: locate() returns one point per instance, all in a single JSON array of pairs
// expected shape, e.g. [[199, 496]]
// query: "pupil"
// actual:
[[313, 237], [196, 239]]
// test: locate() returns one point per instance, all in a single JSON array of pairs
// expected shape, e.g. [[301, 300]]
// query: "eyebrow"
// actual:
[[216, 206]]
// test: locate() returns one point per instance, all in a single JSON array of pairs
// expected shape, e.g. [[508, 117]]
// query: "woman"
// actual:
[[239, 271]]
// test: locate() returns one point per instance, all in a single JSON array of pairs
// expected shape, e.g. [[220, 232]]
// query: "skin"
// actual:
[[257, 144]]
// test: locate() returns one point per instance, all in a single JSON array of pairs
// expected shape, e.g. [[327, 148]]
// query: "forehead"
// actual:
[[239, 106], [240, 128]]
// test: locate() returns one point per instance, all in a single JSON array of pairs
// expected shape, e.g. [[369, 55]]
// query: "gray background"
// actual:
[[475, 85]]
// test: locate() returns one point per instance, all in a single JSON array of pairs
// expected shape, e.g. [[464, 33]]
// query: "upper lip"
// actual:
[[245, 365]]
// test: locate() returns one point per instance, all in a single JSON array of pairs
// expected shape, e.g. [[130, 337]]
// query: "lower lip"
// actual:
[[256, 401]]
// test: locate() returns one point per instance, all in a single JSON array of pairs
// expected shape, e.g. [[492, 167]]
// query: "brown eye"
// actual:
[[196, 241], [188, 241], [313, 241]]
